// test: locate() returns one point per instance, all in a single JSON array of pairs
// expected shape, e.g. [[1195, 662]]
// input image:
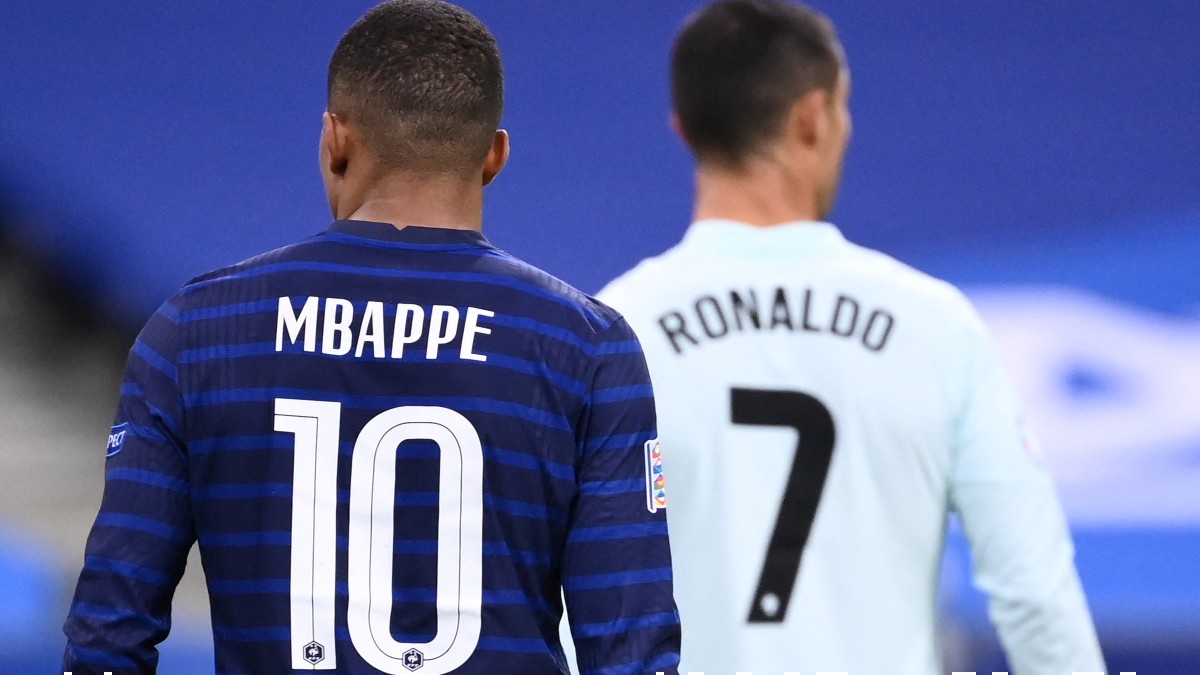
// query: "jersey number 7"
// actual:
[[814, 452]]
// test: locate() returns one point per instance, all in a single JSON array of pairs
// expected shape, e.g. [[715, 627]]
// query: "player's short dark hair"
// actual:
[[423, 81], [738, 66]]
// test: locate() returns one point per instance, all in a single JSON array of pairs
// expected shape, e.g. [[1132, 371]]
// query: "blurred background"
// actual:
[[1044, 156]]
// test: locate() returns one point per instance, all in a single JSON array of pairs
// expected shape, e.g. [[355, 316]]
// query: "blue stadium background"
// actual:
[[1045, 156]]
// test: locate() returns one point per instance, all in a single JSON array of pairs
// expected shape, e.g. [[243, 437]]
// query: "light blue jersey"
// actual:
[[827, 407]]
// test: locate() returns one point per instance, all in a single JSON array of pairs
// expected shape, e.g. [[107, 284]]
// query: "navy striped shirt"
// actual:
[[398, 450]]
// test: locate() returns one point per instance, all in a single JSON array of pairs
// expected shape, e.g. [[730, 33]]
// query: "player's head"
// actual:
[[765, 80], [416, 86]]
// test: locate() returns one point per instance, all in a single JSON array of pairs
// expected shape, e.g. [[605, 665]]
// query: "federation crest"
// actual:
[[314, 652], [656, 482], [413, 659]]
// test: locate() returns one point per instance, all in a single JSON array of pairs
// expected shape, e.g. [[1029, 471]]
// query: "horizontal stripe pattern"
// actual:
[[460, 277], [562, 406], [523, 413]]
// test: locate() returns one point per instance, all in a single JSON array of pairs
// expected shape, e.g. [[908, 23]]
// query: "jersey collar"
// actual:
[[731, 236], [411, 234]]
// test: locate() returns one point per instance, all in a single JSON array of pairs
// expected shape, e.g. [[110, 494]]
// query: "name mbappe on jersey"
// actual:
[[342, 331]]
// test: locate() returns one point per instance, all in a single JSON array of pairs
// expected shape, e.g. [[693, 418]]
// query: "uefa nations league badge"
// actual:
[[656, 483]]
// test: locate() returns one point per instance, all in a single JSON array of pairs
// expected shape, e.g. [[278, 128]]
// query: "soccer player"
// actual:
[[826, 406], [394, 442]]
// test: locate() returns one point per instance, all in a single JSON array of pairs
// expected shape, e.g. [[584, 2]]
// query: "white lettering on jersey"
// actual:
[[372, 331], [443, 327], [336, 339], [341, 330], [410, 322], [295, 325], [472, 329]]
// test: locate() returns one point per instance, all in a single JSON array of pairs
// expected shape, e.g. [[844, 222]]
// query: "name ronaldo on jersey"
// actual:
[[342, 330], [717, 315]]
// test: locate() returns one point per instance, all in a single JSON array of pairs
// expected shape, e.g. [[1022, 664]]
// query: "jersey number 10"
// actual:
[[316, 426]]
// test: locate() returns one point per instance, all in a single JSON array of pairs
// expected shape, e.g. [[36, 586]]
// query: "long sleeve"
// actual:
[[1021, 547], [617, 566], [138, 546]]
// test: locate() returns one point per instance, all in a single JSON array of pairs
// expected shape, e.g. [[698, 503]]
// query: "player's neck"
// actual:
[[426, 200], [761, 194]]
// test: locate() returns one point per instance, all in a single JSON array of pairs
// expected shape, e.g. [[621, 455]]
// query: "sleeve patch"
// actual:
[[656, 482], [116, 438]]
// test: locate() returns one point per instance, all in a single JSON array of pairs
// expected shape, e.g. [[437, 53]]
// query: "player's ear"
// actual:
[[808, 119], [677, 127], [334, 146], [497, 157]]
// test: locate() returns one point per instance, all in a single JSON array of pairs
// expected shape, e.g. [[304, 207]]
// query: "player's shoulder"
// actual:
[[907, 283], [567, 307], [250, 266], [649, 277], [580, 310], [197, 290], [205, 289], [199, 294], [631, 281]]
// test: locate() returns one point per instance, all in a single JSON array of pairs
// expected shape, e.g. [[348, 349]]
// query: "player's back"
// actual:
[[803, 382], [383, 432]]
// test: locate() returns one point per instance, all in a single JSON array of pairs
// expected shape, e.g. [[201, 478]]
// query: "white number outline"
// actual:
[[315, 425]]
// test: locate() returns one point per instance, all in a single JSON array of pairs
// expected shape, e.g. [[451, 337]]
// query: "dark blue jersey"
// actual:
[[397, 450]]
